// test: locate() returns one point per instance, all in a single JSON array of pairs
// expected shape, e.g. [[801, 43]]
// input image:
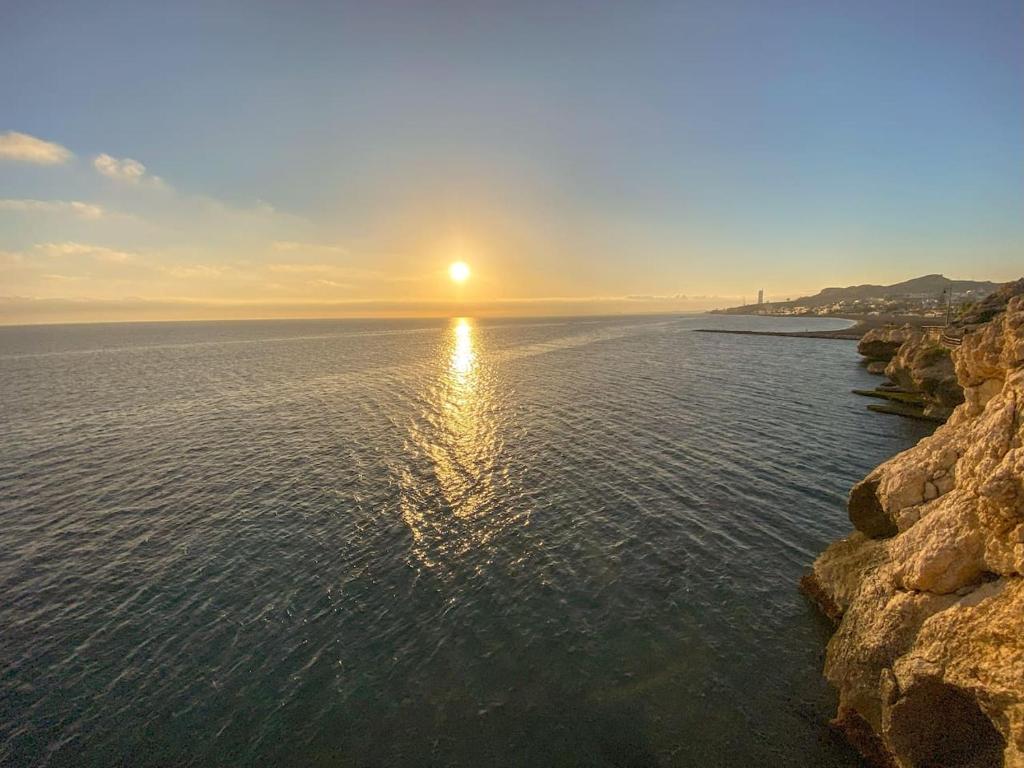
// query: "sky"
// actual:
[[268, 159]]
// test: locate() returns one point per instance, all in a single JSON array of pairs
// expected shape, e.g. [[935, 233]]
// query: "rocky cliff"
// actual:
[[924, 366], [882, 344], [916, 361], [982, 311], [928, 656]]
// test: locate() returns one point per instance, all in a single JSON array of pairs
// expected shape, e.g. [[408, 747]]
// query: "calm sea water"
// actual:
[[404, 543]]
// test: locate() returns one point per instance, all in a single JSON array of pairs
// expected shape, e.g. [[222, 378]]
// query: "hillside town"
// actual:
[[931, 296]]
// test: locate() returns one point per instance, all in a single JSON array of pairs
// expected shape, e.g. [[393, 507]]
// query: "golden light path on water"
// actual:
[[458, 433], [462, 352]]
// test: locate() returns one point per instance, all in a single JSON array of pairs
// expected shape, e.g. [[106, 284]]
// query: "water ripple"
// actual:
[[361, 543]]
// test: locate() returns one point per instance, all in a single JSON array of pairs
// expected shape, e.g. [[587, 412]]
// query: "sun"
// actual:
[[458, 271]]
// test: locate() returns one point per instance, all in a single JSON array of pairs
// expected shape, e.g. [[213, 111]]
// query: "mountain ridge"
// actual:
[[934, 283], [925, 286]]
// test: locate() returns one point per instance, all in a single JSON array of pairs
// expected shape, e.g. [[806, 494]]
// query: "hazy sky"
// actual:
[[179, 158]]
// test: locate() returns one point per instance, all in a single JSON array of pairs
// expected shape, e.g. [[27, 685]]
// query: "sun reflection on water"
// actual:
[[456, 508], [462, 349], [464, 457]]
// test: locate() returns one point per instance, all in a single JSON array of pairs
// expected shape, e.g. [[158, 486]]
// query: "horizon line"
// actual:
[[26, 311], [287, 319]]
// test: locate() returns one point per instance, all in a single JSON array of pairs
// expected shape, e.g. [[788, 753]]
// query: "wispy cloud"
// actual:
[[94, 252], [301, 268], [125, 170], [326, 271], [190, 271], [290, 246], [22, 148], [74, 207]]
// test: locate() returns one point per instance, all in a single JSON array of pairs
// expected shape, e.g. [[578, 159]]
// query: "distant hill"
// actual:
[[927, 286], [918, 286]]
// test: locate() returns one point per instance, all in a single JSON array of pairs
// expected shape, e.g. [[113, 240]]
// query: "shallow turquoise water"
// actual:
[[390, 543]]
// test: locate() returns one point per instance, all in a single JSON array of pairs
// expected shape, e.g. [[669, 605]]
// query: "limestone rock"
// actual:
[[883, 343], [918, 362], [866, 511], [992, 305], [995, 348], [922, 364], [836, 575], [928, 593]]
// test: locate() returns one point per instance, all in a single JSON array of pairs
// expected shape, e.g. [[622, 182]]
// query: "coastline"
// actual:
[[926, 593], [853, 333], [861, 325]]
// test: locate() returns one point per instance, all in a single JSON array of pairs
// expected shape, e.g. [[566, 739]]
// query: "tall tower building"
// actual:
[[760, 296]]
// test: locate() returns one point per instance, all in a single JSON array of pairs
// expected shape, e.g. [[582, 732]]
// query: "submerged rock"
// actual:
[[928, 594]]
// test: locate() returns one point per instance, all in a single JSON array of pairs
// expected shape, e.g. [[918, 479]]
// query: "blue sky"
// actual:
[[346, 152]]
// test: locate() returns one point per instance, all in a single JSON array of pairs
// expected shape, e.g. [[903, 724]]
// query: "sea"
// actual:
[[423, 542]]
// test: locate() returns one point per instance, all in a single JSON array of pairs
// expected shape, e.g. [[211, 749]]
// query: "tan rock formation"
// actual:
[[883, 343], [916, 361], [877, 367], [928, 656], [923, 365]]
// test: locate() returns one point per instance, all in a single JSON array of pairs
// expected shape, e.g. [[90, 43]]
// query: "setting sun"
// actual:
[[459, 271]]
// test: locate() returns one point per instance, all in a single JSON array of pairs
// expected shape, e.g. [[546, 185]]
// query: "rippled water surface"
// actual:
[[398, 543]]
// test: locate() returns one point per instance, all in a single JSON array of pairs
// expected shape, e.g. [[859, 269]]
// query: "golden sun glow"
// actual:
[[458, 271]]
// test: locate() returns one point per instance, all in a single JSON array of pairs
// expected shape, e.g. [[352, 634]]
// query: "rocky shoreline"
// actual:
[[927, 593], [919, 367], [918, 362]]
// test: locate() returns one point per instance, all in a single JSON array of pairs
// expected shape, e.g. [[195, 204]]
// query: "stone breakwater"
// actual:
[[927, 593]]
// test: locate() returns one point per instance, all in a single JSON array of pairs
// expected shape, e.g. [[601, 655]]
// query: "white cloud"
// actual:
[[22, 148], [86, 210], [95, 252], [82, 210], [125, 169]]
